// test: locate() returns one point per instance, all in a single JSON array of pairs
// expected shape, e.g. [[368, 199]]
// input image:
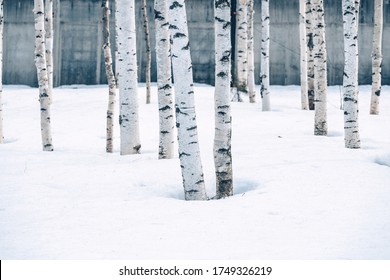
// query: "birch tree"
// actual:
[[241, 50], [320, 69], [110, 76], [223, 120], [1, 70], [189, 153], [43, 77], [303, 52], [49, 42], [147, 49], [164, 82], [377, 58], [264, 58], [310, 56], [350, 81], [251, 58], [127, 75]]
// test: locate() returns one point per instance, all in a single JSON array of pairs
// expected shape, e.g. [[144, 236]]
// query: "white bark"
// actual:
[[320, 79], [264, 59], [310, 56], [242, 49], [303, 53], [164, 82], [148, 52], [127, 75], [350, 81], [1, 70], [251, 58], [223, 123], [49, 42], [377, 58], [189, 153], [110, 76], [43, 78]]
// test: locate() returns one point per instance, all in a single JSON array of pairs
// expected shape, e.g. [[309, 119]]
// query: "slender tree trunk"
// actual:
[[264, 59], [350, 81], [303, 52], [189, 153], [164, 82], [310, 55], [241, 50], [127, 76], [223, 120], [377, 58], [49, 42], [251, 58], [43, 77], [320, 80], [148, 52], [110, 76], [1, 69]]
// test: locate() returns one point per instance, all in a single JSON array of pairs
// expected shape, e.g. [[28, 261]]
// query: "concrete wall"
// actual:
[[78, 39]]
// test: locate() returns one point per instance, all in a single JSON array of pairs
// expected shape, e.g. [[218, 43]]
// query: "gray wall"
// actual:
[[78, 39]]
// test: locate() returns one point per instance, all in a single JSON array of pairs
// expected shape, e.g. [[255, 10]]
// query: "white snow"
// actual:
[[297, 196]]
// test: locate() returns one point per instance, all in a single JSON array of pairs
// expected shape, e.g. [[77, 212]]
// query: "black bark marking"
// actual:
[[174, 5]]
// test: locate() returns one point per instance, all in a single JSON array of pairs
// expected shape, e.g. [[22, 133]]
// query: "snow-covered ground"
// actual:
[[297, 196]]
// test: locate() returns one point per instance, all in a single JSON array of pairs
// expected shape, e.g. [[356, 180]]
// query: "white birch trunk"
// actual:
[[320, 70], [350, 81], [127, 75], [164, 82], [110, 76], [241, 50], [377, 58], [49, 42], [43, 77], [310, 56], [148, 52], [251, 58], [1, 69], [264, 58], [189, 153], [223, 121], [303, 53]]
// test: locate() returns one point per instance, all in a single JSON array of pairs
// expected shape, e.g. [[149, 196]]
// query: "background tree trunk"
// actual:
[[320, 69], [264, 59], [310, 56], [127, 76], [189, 154], [148, 52], [303, 52], [49, 42], [1, 69], [164, 82], [251, 58], [241, 50], [43, 77], [377, 58], [350, 81], [223, 123], [110, 76]]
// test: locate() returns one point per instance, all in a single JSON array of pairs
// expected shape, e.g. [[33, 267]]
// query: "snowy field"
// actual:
[[297, 196]]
